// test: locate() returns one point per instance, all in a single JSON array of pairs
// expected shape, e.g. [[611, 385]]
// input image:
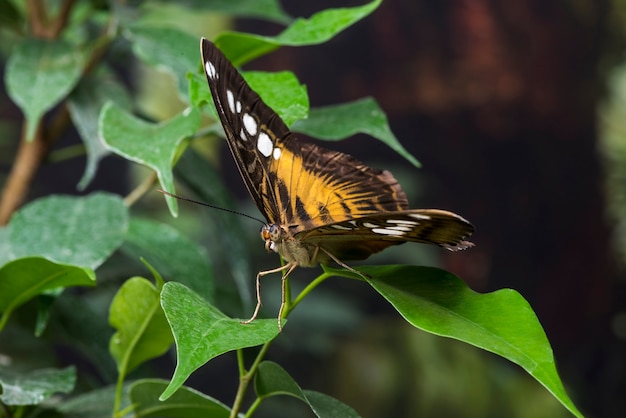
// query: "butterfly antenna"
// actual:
[[209, 205]]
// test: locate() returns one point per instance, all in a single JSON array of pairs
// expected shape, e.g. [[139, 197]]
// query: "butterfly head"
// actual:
[[272, 233]]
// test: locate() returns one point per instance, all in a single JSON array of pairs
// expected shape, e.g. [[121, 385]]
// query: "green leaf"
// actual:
[[341, 121], [263, 9], [185, 403], [172, 253], [82, 231], [85, 104], [202, 332], [35, 387], [153, 145], [173, 50], [272, 380], [25, 278], [501, 322], [39, 74], [94, 404], [281, 91], [142, 331], [240, 48]]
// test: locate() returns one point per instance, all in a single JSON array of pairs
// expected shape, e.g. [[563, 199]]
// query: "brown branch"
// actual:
[[38, 18], [61, 21], [29, 157]]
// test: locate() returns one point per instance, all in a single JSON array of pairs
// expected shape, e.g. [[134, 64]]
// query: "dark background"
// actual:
[[499, 101]]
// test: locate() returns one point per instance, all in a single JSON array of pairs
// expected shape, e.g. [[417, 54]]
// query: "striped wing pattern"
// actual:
[[322, 198]]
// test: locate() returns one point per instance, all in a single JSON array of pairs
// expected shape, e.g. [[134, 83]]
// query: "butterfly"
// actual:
[[320, 205]]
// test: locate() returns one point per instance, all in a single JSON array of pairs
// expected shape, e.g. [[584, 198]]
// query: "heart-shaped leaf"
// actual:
[[202, 332], [153, 145]]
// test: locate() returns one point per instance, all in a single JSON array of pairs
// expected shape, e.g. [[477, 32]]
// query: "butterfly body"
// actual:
[[320, 205]]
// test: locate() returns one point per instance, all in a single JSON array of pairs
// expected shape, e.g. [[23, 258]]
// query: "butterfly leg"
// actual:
[[289, 267], [344, 265]]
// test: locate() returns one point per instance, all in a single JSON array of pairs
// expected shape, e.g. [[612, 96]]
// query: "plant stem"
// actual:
[[246, 378], [140, 190]]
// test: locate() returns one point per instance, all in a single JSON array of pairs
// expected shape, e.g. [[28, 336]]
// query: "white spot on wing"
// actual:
[[210, 70], [345, 228], [264, 144], [242, 135], [231, 100], [419, 216], [370, 225], [402, 222], [250, 124], [277, 153], [238, 106], [400, 228], [386, 231]]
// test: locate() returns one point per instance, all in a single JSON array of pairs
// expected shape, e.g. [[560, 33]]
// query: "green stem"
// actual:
[[67, 153], [3, 319], [308, 289], [246, 378], [118, 395], [253, 407]]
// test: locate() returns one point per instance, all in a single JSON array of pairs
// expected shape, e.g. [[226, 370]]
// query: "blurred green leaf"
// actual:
[[153, 145], [272, 380], [341, 121], [185, 403], [170, 49], [85, 104], [39, 74], [82, 231], [94, 404], [440, 303], [264, 9], [281, 91], [172, 253], [142, 331], [240, 48], [202, 332], [35, 387], [197, 174], [25, 278]]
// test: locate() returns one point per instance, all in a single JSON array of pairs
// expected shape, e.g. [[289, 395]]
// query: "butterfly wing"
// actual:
[[358, 238], [293, 183], [251, 141]]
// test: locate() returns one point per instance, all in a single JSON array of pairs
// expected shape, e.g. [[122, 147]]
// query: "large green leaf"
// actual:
[[202, 332], [83, 231], [85, 104], [153, 145], [172, 254], [281, 91], [25, 278], [341, 121], [272, 380], [39, 74], [501, 322], [142, 331], [321, 27], [185, 403], [35, 387], [171, 49]]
